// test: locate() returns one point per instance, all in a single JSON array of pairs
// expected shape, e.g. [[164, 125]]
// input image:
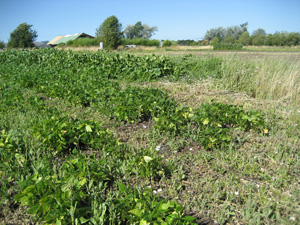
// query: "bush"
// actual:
[[2, 45], [140, 41], [228, 46], [84, 42], [167, 43]]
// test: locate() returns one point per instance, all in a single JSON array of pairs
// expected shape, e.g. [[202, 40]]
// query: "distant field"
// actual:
[[250, 52]]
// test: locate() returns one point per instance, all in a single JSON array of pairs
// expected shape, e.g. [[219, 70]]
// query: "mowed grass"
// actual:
[[255, 180]]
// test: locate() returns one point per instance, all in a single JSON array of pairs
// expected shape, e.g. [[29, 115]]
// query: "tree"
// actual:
[[244, 26], [245, 38], [258, 37], [139, 30], [110, 32], [2, 45], [22, 37], [233, 33], [215, 32]]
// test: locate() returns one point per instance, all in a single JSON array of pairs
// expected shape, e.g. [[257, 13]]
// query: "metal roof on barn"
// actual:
[[65, 38]]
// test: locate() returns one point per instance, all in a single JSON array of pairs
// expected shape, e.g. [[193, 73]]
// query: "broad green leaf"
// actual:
[[122, 187], [188, 218], [83, 220], [136, 211]]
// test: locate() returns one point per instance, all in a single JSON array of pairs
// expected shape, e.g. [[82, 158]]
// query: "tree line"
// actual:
[[110, 32], [259, 37]]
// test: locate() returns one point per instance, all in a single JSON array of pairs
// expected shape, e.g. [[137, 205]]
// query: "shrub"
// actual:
[[140, 41], [167, 43], [2, 45]]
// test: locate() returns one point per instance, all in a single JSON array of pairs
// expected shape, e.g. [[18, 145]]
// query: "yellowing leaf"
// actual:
[[88, 128], [205, 122], [147, 159], [144, 222]]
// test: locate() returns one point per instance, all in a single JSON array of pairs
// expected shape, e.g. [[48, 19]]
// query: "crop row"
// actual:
[[75, 175], [103, 64], [211, 124]]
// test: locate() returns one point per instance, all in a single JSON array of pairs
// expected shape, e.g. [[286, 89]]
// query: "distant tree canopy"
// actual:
[[22, 37], [139, 30], [240, 35], [2, 45], [110, 32]]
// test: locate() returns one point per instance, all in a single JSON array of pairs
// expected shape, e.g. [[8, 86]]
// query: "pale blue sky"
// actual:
[[184, 19]]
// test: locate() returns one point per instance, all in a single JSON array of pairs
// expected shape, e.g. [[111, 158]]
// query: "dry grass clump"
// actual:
[[264, 79]]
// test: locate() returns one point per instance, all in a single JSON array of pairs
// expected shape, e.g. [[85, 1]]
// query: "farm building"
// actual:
[[65, 38]]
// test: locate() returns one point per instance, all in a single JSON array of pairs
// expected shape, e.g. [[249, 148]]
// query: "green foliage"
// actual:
[[144, 208], [135, 104], [84, 42], [228, 46], [110, 32], [22, 37], [167, 43], [245, 38], [2, 45], [62, 136], [106, 65], [283, 39], [240, 34], [140, 41], [214, 41], [205, 68], [139, 31], [211, 123], [189, 42]]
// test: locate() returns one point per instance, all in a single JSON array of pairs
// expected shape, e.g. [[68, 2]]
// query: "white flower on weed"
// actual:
[[158, 147], [191, 149], [154, 192], [299, 111], [159, 190], [279, 82], [50, 98], [149, 186], [236, 193], [295, 125], [292, 218], [257, 185], [107, 153], [144, 126], [262, 169]]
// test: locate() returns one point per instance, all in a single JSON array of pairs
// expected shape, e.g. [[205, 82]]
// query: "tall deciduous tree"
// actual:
[[139, 30], [22, 37], [110, 32], [258, 37]]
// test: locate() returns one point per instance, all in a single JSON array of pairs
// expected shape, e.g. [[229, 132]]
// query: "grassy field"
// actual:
[[203, 137]]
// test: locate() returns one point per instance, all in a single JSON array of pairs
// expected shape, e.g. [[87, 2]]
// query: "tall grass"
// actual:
[[264, 79]]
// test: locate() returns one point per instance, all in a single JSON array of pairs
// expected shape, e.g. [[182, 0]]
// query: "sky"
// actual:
[[175, 19]]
